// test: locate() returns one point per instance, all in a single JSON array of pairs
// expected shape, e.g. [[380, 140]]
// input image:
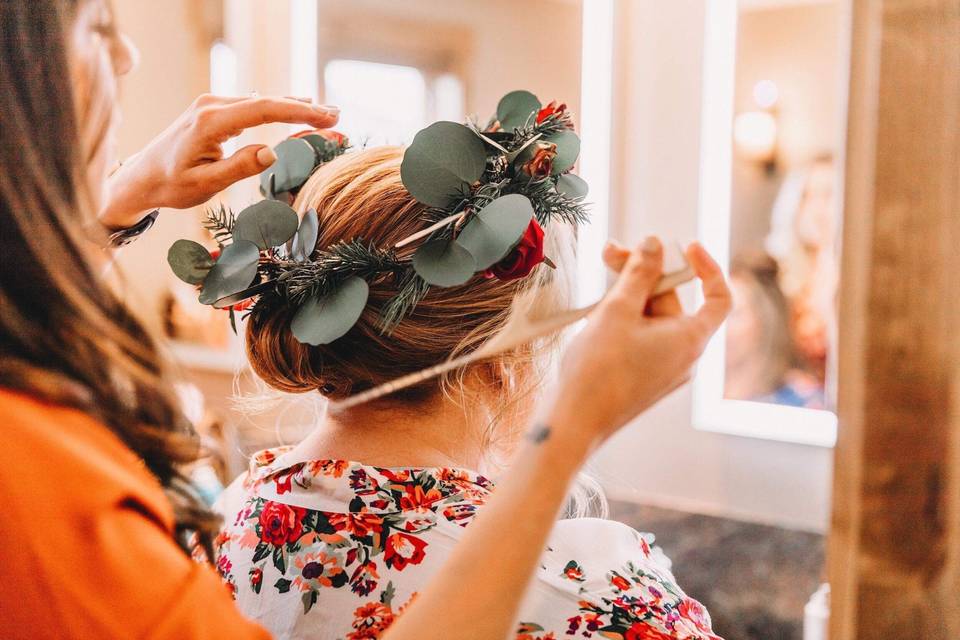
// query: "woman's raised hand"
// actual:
[[636, 349], [184, 166]]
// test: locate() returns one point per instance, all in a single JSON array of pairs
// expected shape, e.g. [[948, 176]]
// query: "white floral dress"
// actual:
[[330, 549]]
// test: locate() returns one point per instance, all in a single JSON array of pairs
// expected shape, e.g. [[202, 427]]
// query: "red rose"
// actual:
[[360, 524], [524, 257], [256, 577], [330, 135], [540, 163], [551, 109], [280, 523], [403, 549]]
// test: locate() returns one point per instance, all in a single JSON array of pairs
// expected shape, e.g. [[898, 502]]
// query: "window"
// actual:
[[388, 103]]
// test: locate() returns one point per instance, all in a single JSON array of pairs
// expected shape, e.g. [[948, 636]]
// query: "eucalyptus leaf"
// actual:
[[495, 230], [306, 239], [568, 150], [572, 185], [269, 223], [442, 163], [234, 271], [294, 164], [318, 142], [246, 294], [444, 263], [323, 320], [190, 261], [515, 108]]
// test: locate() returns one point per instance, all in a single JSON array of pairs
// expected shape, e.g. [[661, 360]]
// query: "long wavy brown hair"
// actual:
[[64, 336]]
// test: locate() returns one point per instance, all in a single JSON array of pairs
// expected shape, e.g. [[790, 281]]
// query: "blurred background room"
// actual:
[[737, 467]]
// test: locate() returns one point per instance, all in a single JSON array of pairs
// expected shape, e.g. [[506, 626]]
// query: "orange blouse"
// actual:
[[86, 533]]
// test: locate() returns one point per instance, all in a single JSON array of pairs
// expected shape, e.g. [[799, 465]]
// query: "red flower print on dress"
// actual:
[[280, 523], [643, 631], [573, 571], [696, 613], [330, 468], [320, 568], [359, 525], [525, 256], [619, 582], [370, 620], [403, 549], [416, 499]]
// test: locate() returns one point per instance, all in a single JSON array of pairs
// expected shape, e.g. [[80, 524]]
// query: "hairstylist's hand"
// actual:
[[184, 166], [636, 349]]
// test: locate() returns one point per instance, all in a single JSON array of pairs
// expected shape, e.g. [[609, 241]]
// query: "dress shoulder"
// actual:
[[606, 578]]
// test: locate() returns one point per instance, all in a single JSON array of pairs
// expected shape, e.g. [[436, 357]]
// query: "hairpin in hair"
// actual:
[[488, 192]]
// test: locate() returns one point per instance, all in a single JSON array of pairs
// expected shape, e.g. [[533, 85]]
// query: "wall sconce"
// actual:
[[755, 132]]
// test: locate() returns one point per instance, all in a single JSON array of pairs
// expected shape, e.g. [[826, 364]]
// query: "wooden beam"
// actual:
[[894, 551]]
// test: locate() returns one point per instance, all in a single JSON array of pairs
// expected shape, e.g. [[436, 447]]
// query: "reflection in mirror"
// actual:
[[780, 218], [783, 212]]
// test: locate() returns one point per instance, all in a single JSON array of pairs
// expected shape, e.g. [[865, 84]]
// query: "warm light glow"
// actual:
[[766, 94], [755, 133], [304, 72], [596, 105], [379, 103], [223, 79]]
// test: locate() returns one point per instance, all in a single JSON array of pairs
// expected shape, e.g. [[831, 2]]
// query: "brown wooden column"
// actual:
[[894, 552]]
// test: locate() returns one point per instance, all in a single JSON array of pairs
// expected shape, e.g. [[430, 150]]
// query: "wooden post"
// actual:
[[894, 551]]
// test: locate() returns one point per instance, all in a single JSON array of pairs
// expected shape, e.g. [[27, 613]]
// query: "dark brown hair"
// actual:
[[64, 336]]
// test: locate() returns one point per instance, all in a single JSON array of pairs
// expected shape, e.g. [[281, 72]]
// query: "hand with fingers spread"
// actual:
[[636, 349], [184, 166]]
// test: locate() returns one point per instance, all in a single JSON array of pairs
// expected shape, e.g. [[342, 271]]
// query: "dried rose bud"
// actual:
[[540, 163]]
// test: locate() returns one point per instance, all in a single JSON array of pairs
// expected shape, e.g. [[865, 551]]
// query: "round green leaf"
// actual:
[[306, 239], [323, 320], [568, 150], [295, 162], [515, 108], [190, 261], [269, 223], [441, 164], [572, 186], [444, 263], [496, 229], [234, 271]]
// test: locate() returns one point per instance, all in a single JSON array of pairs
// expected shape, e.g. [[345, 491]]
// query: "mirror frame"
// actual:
[[711, 411]]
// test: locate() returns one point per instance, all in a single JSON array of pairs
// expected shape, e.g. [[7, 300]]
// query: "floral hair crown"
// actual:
[[488, 194]]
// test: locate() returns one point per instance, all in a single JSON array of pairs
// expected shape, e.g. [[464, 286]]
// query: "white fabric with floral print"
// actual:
[[330, 549]]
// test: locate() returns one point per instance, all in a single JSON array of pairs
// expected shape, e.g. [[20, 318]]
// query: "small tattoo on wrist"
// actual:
[[539, 433]]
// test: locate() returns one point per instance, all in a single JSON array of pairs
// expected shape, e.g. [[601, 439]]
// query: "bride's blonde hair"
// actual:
[[360, 195]]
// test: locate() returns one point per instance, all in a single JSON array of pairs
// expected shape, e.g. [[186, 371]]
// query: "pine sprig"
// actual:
[[329, 268], [549, 204], [220, 222], [412, 290]]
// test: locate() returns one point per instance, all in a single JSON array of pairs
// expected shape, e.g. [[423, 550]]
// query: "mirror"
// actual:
[[771, 211]]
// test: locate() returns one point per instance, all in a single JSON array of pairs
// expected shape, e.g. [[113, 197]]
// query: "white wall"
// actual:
[[662, 459]]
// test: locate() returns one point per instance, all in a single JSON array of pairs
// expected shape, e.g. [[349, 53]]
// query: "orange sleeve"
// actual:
[[86, 539]]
